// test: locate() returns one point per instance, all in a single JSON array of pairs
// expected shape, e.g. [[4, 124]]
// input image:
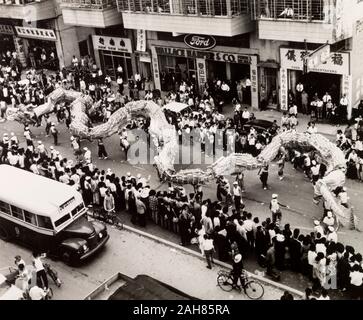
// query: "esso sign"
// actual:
[[199, 42]]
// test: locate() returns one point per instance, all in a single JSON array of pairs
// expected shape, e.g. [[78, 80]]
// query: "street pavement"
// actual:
[[295, 190], [132, 254]]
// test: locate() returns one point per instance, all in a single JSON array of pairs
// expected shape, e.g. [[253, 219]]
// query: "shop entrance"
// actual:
[[321, 83], [217, 70], [6, 43], [110, 61], [176, 69], [239, 72], [37, 48]]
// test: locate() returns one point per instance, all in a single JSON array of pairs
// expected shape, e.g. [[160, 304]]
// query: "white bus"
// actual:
[[47, 216]]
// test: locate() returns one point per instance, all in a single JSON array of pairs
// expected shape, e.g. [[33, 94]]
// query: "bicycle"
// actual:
[[53, 274], [252, 289], [109, 217]]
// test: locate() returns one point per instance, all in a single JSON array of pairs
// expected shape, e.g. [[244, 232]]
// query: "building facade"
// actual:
[[264, 41]]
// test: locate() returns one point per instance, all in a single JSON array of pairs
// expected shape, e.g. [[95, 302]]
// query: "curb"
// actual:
[[280, 286]]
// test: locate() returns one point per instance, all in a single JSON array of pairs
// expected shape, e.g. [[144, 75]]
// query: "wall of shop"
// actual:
[[357, 71], [67, 42], [268, 49]]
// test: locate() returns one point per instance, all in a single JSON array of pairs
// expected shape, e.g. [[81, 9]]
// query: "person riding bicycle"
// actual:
[[237, 270]]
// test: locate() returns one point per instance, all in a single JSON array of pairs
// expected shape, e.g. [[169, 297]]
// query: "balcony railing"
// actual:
[[300, 10], [221, 8], [89, 4], [19, 2]]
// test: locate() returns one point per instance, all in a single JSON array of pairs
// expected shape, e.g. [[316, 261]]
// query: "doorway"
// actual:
[[216, 70]]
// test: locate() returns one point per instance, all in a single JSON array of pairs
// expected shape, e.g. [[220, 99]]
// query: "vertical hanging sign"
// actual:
[[141, 41], [283, 89], [202, 73]]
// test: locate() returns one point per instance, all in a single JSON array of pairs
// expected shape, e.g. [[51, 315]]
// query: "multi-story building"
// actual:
[[297, 28], [29, 24], [261, 40]]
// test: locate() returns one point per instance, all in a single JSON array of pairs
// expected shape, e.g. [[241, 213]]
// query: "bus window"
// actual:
[[62, 220], [17, 212], [44, 222], [30, 217], [4, 207]]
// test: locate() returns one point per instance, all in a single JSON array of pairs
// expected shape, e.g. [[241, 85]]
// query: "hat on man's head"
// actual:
[[237, 258], [329, 214], [331, 229], [316, 222], [275, 196]]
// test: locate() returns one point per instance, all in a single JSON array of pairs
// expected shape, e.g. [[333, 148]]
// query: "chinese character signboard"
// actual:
[[336, 63], [141, 41], [6, 29], [283, 89], [202, 73], [318, 57], [254, 82], [112, 44], [36, 33], [155, 68]]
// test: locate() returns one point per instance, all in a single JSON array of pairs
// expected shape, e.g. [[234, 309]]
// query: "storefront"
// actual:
[[6, 38], [113, 52], [333, 76], [183, 62], [34, 42]]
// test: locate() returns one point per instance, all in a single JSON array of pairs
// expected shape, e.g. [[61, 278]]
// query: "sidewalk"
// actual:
[[288, 278]]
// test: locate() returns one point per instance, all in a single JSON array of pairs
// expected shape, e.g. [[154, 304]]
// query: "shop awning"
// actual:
[[175, 106]]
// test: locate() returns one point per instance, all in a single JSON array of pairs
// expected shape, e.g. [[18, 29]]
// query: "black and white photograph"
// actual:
[[195, 151]]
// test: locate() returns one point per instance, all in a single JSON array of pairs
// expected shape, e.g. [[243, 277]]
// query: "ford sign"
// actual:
[[200, 42]]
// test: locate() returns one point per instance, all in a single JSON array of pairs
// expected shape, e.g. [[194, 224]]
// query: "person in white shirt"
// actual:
[[318, 228], [36, 293], [356, 281], [208, 249], [42, 280], [287, 13], [237, 196], [245, 116], [329, 219], [312, 129], [87, 154], [332, 235]]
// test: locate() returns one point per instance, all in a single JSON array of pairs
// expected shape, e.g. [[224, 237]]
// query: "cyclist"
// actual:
[[237, 270]]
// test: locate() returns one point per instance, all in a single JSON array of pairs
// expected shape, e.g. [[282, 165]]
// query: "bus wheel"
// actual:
[[4, 235]]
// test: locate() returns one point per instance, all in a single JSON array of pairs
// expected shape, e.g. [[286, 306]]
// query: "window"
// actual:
[[30, 217], [77, 209], [17, 212], [62, 220], [44, 222], [4, 207]]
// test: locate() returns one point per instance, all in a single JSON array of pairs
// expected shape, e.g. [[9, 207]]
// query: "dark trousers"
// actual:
[[102, 151], [55, 138], [42, 280], [237, 203]]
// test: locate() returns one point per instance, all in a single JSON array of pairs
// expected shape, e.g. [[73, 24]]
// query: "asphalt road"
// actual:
[[295, 190], [132, 254]]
